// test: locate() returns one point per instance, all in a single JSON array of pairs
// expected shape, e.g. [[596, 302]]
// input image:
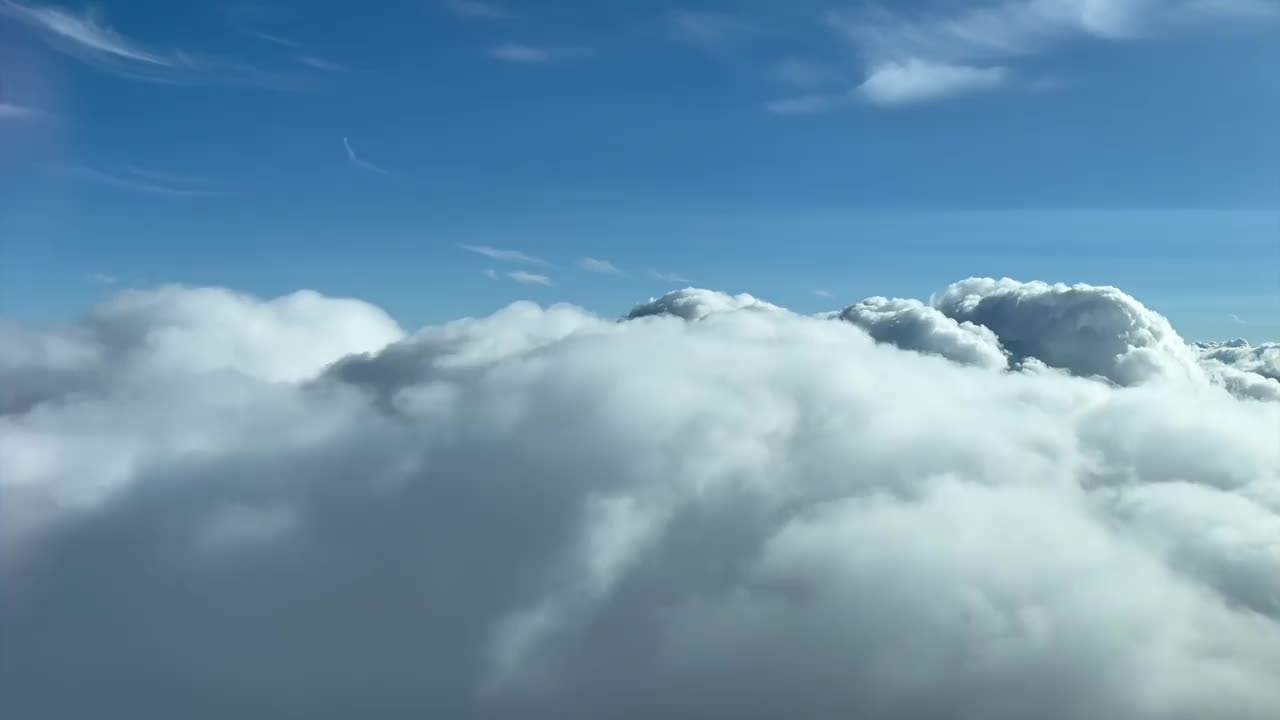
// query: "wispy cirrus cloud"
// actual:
[[915, 80], [361, 163], [13, 111], [823, 293], [99, 278], [668, 276], [538, 54], [87, 36], [528, 278], [479, 10], [138, 180], [807, 104], [598, 266], [920, 56], [510, 256], [708, 31], [942, 51]]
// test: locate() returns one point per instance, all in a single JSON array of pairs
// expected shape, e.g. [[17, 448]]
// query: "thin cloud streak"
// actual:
[[601, 267], [528, 278], [822, 293], [10, 111], [537, 54], [361, 163], [86, 32], [87, 37], [137, 183], [510, 256], [668, 277], [477, 10], [705, 30]]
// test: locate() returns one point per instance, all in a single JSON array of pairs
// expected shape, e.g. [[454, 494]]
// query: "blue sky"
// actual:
[[778, 148]]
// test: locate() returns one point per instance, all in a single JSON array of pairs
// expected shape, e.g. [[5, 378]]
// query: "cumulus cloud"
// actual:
[[912, 325], [696, 304], [213, 504]]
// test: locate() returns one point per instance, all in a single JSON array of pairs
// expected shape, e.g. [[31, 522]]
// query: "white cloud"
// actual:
[[916, 80], [969, 47], [595, 265], [696, 304], [528, 278], [548, 514], [511, 256], [103, 278], [478, 10], [537, 54], [823, 293], [361, 163], [912, 325]]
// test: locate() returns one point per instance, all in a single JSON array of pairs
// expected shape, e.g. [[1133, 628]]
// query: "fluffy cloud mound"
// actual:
[[696, 304], [1086, 330], [1263, 360], [139, 335], [912, 325], [547, 514]]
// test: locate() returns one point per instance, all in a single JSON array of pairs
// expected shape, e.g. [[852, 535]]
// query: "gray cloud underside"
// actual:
[[1046, 505]]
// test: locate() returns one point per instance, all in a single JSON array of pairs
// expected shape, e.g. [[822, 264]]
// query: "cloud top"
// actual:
[[719, 509]]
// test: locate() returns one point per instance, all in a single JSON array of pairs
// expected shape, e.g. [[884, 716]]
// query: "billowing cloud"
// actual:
[[696, 304], [1083, 329], [912, 325], [215, 504]]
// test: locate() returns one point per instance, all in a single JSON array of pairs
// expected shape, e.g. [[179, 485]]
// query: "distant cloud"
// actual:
[[538, 54], [361, 163], [491, 273], [511, 256], [478, 10], [916, 80], [806, 104], [11, 111], [319, 63], [603, 267], [273, 39], [1237, 319], [88, 37], [805, 74], [528, 278], [84, 32], [705, 30], [924, 54], [822, 293], [135, 180], [102, 278], [668, 277]]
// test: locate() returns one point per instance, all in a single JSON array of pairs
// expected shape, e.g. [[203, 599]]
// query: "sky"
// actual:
[[445, 158]]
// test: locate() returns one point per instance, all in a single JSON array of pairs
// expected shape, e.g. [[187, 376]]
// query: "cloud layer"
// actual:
[[212, 504]]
